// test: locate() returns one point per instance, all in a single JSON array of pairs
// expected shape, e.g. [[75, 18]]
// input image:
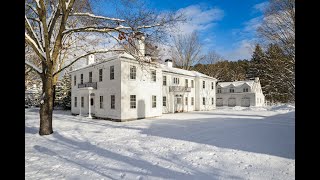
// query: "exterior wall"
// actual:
[[238, 97], [143, 87], [254, 93], [106, 88], [208, 93], [172, 105]]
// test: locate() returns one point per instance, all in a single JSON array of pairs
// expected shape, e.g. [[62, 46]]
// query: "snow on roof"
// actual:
[[236, 83], [183, 72]]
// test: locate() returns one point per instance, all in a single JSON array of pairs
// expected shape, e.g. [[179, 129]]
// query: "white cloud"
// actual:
[[261, 6], [253, 24], [242, 50], [198, 18]]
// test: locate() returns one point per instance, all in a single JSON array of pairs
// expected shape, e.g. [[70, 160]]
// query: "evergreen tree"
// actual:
[[63, 92], [255, 67]]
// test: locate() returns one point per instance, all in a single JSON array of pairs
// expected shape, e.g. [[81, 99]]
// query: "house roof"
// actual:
[[236, 83], [183, 72]]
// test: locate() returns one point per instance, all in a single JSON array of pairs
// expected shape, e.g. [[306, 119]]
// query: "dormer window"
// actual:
[[219, 90], [231, 90], [245, 90]]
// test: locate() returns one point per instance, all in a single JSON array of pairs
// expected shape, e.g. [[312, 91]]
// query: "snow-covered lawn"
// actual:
[[226, 143]]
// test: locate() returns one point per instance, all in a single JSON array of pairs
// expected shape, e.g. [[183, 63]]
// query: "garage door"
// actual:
[[219, 102], [245, 102], [232, 102]]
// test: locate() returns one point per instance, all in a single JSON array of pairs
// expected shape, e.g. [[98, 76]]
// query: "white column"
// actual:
[[89, 116]]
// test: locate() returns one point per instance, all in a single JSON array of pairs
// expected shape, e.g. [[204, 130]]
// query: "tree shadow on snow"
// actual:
[[273, 135], [152, 169]]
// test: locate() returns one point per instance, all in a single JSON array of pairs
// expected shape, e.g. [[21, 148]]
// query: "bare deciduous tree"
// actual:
[[279, 25], [54, 29], [187, 50]]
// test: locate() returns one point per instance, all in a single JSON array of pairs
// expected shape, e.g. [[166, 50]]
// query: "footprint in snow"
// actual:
[[122, 175], [139, 177]]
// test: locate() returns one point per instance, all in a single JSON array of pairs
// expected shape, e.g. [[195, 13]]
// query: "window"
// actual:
[[192, 86], [133, 72], [82, 101], [231, 90], [186, 83], [101, 102], [164, 101], [192, 101], [91, 102], [100, 75], [153, 75], [90, 76], [113, 101], [219, 90], [203, 101], [212, 85], [75, 80], [154, 101], [203, 84], [81, 79], [245, 90], [111, 72], [132, 101], [75, 102], [212, 101], [186, 100], [164, 80], [176, 81]]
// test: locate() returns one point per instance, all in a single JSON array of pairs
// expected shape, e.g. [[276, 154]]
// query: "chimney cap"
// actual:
[[168, 60]]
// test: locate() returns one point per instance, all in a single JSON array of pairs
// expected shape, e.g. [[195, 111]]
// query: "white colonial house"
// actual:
[[120, 88], [240, 93]]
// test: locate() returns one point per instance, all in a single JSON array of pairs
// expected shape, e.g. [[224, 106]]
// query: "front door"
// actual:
[[178, 103]]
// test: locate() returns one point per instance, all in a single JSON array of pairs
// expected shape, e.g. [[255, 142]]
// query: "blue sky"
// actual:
[[225, 26]]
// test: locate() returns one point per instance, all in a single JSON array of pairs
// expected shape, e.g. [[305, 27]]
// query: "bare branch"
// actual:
[[33, 67], [85, 55], [96, 17]]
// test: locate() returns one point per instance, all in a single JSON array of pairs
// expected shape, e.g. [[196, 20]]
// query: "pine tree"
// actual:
[[63, 92], [255, 69]]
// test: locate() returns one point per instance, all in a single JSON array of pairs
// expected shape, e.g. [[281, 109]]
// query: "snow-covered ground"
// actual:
[[226, 143]]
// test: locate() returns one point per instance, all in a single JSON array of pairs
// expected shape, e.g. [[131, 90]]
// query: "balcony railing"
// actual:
[[88, 84], [179, 89]]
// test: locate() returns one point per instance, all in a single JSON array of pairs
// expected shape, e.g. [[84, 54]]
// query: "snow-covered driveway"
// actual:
[[227, 143]]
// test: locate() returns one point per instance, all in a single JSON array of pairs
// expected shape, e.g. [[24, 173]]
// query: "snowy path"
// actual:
[[227, 143]]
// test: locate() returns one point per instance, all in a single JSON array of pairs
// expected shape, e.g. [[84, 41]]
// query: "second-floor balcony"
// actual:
[[179, 89], [88, 84]]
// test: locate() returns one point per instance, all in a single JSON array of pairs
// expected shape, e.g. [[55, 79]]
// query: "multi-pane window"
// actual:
[[132, 101], [113, 101], [219, 90], [154, 101], [75, 80], [192, 86], [203, 101], [100, 75], [245, 90], [111, 72], [212, 100], [186, 83], [186, 100], [154, 75], [192, 101], [203, 84], [164, 101], [81, 79], [90, 76], [212, 85], [82, 101], [231, 90], [101, 102], [164, 80], [133, 72], [176, 81], [75, 102]]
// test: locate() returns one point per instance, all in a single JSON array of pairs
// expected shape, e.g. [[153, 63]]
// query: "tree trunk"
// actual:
[[54, 95], [46, 106]]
